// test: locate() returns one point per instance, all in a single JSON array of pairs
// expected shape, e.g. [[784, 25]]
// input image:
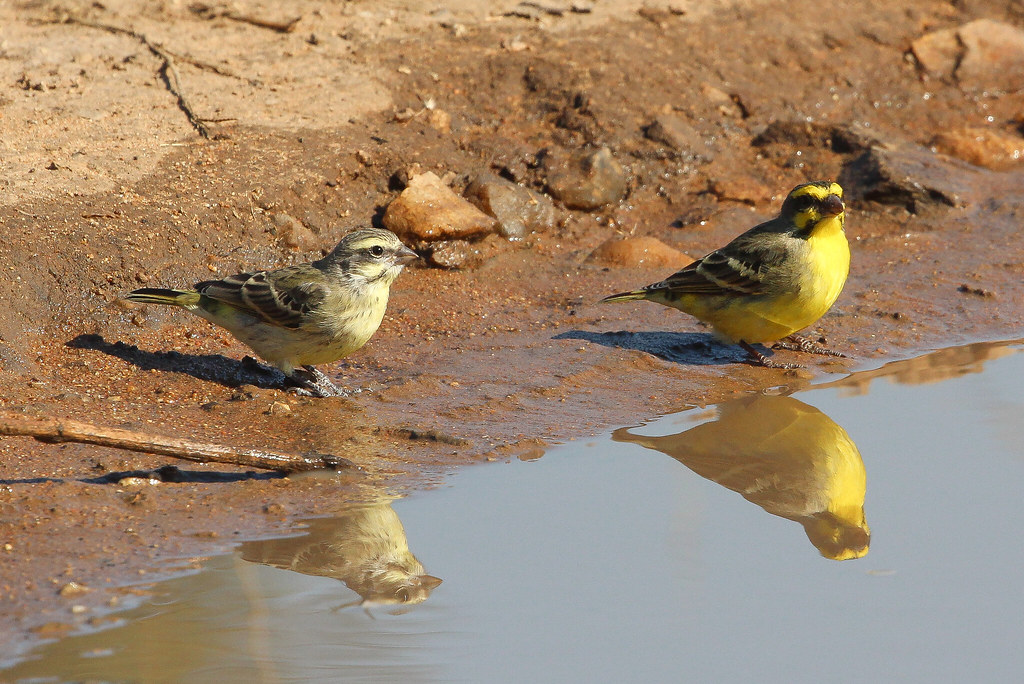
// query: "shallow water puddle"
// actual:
[[634, 556]]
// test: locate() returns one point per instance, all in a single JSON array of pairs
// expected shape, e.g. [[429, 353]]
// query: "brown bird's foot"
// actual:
[[251, 364], [759, 359], [309, 380], [798, 343]]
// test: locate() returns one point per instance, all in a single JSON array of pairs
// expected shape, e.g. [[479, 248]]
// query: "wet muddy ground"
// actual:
[[108, 188]]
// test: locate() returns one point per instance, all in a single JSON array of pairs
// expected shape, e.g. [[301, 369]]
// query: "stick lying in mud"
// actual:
[[55, 430]]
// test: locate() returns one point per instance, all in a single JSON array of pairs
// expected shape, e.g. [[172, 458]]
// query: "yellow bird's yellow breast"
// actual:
[[829, 255]]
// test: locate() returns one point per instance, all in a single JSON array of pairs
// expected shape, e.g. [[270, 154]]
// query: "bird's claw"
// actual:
[[759, 359], [798, 343], [311, 382]]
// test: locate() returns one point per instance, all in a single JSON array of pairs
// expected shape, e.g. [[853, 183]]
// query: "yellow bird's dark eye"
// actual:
[[377, 251]]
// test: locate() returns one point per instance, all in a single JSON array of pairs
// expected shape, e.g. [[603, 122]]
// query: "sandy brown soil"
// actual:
[[107, 187]]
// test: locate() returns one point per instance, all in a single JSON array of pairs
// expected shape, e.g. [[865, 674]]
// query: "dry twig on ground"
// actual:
[[167, 70], [214, 12], [56, 430]]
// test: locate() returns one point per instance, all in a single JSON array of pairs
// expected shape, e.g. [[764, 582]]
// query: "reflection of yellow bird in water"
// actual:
[[785, 456], [364, 547]]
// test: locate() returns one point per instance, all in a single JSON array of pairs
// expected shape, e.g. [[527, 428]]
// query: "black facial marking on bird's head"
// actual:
[[810, 203]]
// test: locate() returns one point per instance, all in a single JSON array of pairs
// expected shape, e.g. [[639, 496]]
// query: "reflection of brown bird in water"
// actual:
[[364, 547], [785, 456]]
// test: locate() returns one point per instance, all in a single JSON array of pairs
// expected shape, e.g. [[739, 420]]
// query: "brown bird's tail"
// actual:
[[625, 296], [158, 295]]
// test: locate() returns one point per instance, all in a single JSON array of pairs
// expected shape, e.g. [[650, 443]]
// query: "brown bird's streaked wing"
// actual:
[[264, 295]]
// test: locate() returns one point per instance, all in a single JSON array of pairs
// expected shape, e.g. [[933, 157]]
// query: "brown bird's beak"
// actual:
[[832, 206], [406, 256], [429, 581]]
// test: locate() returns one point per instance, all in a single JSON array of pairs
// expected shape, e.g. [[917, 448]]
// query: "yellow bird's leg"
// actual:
[[759, 359], [798, 343]]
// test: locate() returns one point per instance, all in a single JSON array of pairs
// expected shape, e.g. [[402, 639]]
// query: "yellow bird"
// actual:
[[770, 282]]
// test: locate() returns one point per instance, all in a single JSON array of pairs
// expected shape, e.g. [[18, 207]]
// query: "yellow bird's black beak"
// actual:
[[832, 205]]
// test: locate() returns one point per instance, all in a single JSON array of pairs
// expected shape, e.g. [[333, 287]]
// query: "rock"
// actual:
[[726, 104], [977, 291], [518, 210], [744, 189], [993, 57], [937, 52], [981, 147], [634, 252], [979, 55], [812, 134], [428, 211], [907, 175], [293, 234], [514, 44], [246, 392], [536, 10], [72, 589], [456, 254], [278, 408], [52, 630], [588, 180], [677, 135], [133, 481], [440, 121]]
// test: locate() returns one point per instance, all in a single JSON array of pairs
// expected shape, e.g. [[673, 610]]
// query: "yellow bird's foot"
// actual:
[[759, 359], [309, 380], [798, 343]]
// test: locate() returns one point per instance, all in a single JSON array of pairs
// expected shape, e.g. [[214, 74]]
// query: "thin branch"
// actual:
[[279, 26], [170, 76], [206, 66], [167, 70], [56, 430], [212, 12]]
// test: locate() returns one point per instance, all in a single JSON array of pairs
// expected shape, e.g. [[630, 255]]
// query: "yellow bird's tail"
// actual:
[[625, 296], [157, 295]]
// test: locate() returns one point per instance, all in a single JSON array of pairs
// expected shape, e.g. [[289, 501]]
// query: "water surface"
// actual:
[[864, 530]]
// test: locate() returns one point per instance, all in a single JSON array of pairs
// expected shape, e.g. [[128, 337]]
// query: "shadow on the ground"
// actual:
[[167, 473], [209, 367], [171, 473], [695, 349]]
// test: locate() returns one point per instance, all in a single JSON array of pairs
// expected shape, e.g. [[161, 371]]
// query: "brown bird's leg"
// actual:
[[311, 380], [759, 359], [798, 343]]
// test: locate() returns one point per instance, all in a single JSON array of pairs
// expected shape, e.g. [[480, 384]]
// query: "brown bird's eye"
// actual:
[[377, 251]]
